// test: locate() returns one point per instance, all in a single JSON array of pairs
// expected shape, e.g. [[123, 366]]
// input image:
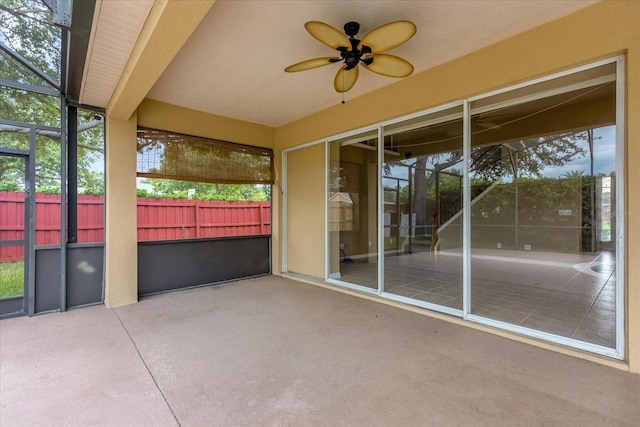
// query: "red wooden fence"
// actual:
[[167, 219], [158, 219]]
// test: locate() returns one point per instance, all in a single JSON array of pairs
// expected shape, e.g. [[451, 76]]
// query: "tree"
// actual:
[[27, 29], [168, 188], [487, 164]]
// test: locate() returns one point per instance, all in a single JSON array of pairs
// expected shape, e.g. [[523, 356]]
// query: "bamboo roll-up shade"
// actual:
[[170, 155]]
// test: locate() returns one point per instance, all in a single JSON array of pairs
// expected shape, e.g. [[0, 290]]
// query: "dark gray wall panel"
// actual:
[[11, 306], [84, 276], [47, 293], [164, 266]]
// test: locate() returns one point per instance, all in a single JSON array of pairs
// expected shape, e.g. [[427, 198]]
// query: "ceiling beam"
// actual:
[[168, 27], [76, 48]]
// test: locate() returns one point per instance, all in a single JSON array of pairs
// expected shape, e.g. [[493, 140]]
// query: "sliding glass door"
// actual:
[[423, 186], [501, 209], [543, 232], [353, 212]]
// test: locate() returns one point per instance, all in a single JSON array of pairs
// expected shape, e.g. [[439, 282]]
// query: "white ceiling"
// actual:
[[114, 31], [233, 63]]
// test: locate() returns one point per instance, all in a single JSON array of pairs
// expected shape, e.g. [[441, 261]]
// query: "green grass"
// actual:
[[11, 279]]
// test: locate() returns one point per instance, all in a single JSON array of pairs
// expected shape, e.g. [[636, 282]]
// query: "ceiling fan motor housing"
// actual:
[[353, 57]]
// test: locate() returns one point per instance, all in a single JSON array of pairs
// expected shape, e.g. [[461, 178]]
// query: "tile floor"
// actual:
[[569, 295]]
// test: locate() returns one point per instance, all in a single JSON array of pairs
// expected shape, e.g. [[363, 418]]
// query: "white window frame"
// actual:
[[619, 351]]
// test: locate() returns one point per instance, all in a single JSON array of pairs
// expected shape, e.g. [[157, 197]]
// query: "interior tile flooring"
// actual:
[[563, 294]]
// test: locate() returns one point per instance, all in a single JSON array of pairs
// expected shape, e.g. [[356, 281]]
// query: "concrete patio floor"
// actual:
[[273, 351]]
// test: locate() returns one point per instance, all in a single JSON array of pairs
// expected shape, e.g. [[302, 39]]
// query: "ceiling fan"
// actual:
[[354, 52]]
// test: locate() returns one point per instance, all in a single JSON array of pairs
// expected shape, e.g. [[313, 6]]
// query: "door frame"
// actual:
[[28, 299]]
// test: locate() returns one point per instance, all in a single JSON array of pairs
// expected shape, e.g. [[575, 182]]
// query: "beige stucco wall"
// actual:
[[121, 267], [159, 115], [601, 31], [121, 233], [305, 223]]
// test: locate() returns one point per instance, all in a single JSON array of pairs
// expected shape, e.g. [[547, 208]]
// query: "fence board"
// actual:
[[158, 219]]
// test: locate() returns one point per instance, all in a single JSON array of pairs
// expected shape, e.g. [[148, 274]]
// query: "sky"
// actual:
[[604, 154]]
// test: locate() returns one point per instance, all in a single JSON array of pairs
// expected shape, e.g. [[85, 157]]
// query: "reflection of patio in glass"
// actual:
[[568, 295]]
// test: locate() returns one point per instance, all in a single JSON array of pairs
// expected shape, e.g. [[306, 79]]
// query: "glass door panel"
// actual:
[[543, 170], [48, 192], [353, 213], [11, 270], [422, 179], [12, 227]]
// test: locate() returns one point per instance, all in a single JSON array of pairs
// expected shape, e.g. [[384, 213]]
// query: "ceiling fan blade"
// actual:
[[389, 36], [345, 79], [310, 64], [390, 66], [326, 34]]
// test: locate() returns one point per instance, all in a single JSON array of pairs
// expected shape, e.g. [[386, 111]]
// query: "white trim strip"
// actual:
[[327, 215], [547, 336], [466, 211], [423, 304], [308, 144], [620, 206], [418, 114], [544, 79], [353, 286], [544, 94], [380, 210], [284, 208], [426, 123]]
